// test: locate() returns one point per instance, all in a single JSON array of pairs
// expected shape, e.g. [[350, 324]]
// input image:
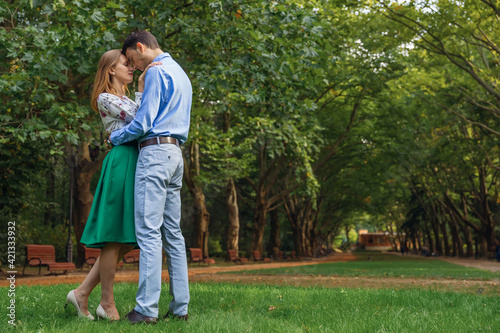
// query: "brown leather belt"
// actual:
[[159, 140]]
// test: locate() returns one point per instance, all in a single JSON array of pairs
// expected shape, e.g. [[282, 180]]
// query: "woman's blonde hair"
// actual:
[[102, 81]]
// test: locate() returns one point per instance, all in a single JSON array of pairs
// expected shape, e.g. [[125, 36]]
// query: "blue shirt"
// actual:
[[166, 105]]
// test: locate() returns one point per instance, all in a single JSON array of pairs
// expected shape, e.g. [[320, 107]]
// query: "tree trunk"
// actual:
[[259, 223], [419, 242], [290, 207], [234, 219], [457, 240], [394, 240], [485, 215], [435, 228], [466, 230], [274, 240], [429, 242], [199, 238], [329, 243], [347, 230], [50, 195], [83, 198], [315, 237], [305, 239], [233, 230], [483, 247], [414, 243], [268, 175], [446, 243], [303, 245], [468, 240], [299, 212]]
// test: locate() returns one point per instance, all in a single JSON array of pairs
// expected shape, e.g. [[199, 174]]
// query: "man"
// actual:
[[160, 126]]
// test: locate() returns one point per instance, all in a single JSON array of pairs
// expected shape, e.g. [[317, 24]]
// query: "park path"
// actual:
[[489, 265], [132, 275], [485, 264]]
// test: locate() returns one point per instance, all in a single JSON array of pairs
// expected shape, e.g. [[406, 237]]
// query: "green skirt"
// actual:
[[111, 218]]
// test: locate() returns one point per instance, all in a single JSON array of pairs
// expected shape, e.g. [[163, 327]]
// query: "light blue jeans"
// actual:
[[158, 182]]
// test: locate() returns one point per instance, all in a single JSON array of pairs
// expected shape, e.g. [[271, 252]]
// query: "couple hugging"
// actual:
[[137, 202]]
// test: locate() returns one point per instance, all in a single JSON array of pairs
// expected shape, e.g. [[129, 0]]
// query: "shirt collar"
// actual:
[[161, 56]]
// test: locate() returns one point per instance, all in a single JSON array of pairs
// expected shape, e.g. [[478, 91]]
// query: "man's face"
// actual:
[[136, 58]]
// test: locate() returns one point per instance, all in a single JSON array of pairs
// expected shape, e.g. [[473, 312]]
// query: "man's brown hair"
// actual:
[[143, 37]]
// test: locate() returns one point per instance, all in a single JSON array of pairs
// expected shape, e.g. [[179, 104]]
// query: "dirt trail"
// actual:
[[477, 286], [132, 274], [487, 265]]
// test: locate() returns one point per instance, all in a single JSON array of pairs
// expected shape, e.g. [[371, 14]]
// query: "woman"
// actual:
[[110, 225]]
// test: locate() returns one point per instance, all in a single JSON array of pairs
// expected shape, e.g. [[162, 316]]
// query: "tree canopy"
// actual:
[[310, 118]]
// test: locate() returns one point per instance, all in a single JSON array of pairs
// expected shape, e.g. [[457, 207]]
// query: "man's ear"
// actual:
[[140, 47]]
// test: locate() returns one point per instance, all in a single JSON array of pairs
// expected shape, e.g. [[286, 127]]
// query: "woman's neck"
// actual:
[[118, 89]]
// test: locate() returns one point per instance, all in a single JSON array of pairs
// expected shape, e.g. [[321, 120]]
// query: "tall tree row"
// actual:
[[451, 82]]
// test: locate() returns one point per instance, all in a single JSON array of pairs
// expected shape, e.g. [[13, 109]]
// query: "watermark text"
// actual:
[[11, 273]]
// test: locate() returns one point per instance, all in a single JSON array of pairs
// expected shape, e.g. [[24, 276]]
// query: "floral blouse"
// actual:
[[116, 112]]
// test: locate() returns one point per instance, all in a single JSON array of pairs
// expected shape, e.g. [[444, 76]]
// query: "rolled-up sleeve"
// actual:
[[147, 112], [138, 98]]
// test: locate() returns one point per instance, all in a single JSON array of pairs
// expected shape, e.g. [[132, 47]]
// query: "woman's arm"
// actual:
[[142, 78], [115, 108]]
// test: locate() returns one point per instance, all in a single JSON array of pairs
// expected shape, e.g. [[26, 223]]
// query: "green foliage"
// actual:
[[50, 53], [367, 103]]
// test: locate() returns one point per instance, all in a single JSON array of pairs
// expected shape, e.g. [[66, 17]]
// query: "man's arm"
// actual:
[[147, 112]]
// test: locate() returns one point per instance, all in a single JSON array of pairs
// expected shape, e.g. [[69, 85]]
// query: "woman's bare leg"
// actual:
[[93, 278], [109, 258], [83, 291], [111, 255]]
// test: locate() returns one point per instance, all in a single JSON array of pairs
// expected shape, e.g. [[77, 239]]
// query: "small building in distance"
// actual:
[[378, 241]]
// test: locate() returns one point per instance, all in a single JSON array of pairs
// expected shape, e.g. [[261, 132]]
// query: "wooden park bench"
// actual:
[[234, 258], [293, 255], [45, 255], [257, 257], [196, 255], [132, 257], [91, 255]]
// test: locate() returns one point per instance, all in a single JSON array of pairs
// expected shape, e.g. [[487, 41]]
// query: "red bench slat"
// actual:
[[234, 258], [196, 255], [45, 255], [91, 255], [132, 256]]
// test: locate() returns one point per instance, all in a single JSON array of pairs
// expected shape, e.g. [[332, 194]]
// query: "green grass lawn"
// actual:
[[260, 308], [386, 265]]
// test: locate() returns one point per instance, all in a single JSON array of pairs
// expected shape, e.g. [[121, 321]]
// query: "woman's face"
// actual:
[[123, 71]]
